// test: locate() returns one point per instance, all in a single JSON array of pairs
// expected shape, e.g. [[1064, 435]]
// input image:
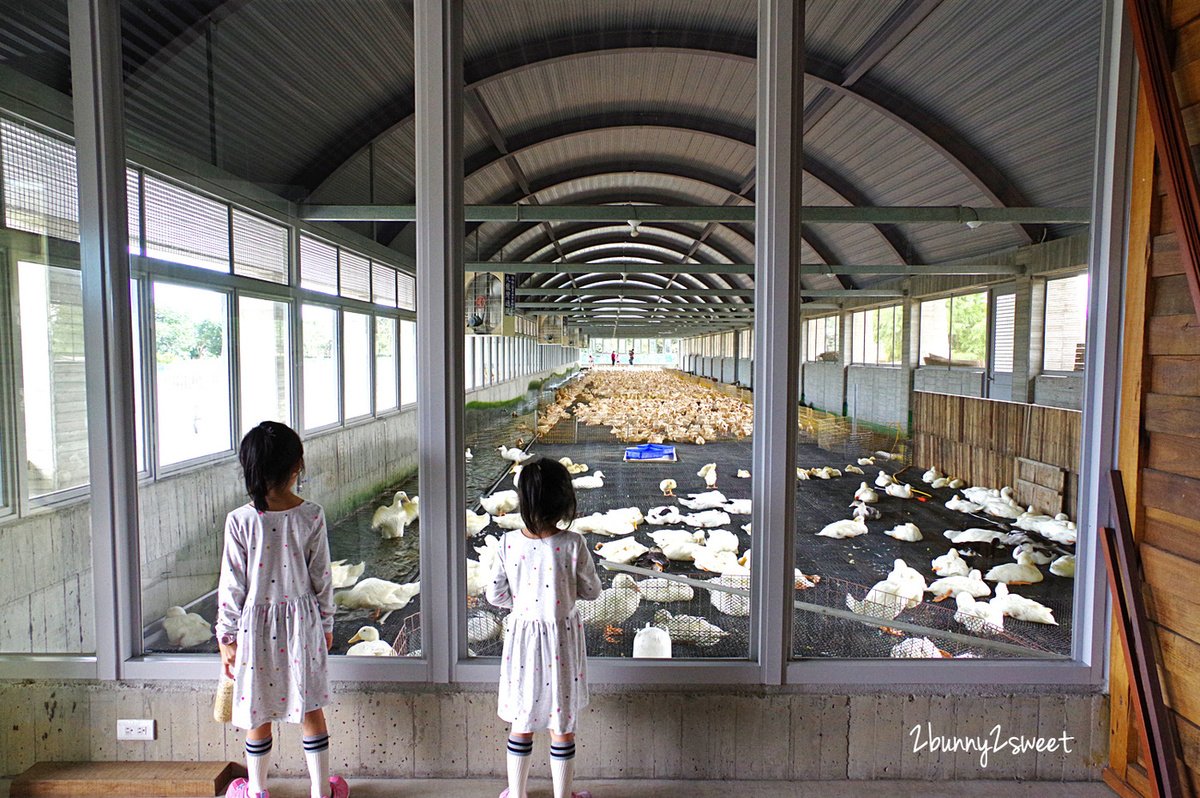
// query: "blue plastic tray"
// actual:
[[651, 451]]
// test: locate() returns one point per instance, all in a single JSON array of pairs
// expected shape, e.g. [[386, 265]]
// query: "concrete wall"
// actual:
[[958, 382], [1059, 390], [46, 593], [878, 394], [684, 733], [823, 385]]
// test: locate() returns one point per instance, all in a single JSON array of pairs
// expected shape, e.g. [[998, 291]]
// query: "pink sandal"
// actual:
[[338, 788], [240, 788]]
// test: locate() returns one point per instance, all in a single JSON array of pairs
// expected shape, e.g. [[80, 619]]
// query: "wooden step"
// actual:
[[128, 779]]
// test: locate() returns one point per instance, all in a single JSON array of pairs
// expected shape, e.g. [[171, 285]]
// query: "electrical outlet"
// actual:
[[135, 729]]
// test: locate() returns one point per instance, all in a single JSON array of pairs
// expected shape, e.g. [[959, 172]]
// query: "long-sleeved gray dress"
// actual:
[[276, 594], [543, 670]]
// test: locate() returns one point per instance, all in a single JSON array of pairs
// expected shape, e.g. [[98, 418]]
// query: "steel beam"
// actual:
[[639, 267], [855, 293], [742, 214], [437, 31], [619, 290]]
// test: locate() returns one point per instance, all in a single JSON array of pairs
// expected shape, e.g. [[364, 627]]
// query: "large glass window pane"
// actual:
[[408, 362], [968, 329], [319, 342], [1066, 323], [935, 332], [191, 348], [265, 362], [184, 227], [386, 395], [54, 393], [356, 354], [139, 418]]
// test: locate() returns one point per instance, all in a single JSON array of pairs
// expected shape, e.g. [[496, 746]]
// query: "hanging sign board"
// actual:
[[510, 295]]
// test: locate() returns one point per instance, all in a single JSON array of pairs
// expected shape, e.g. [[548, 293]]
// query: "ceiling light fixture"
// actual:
[[633, 228]]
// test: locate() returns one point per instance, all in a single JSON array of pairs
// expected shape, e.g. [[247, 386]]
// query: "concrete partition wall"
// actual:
[[1059, 390], [823, 385], [957, 382], [878, 394], [407, 731]]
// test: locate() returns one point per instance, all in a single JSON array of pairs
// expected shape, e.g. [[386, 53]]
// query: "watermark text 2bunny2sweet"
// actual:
[[994, 742]]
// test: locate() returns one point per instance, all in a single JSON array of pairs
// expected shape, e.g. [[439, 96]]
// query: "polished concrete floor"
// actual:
[[615, 788]]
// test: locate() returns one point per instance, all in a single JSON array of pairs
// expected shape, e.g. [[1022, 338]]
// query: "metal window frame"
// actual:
[[1046, 280]]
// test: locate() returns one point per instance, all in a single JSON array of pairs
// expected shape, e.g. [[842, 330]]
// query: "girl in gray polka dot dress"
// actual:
[[275, 611], [540, 573]]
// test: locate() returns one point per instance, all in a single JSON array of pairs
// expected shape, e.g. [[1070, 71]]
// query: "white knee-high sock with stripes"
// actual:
[[258, 759], [316, 754], [562, 768], [519, 760]]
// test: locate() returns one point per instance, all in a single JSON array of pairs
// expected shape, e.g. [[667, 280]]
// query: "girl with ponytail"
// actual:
[[275, 613]]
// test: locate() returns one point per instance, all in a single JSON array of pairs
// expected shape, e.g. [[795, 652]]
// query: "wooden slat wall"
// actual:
[[979, 440], [1161, 401]]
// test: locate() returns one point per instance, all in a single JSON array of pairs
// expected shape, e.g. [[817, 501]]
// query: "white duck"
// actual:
[[825, 472], [939, 483], [483, 626], [615, 604], [710, 500], [186, 629], [604, 524], [931, 476], [851, 527], [957, 583], [883, 479], [1064, 566], [727, 603], [956, 484], [1059, 528], [1022, 572], [709, 472], [377, 594], [345, 575], [514, 454], [509, 521], [665, 590], [963, 506], [652, 642], [391, 520], [737, 506], [668, 514], [477, 522], [978, 616], [743, 474], [865, 494], [853, 469], [1038, 556], [621, 550], [667, 486], [900, 490], [478, 577], [907, 532], [1021, 607], [500, 502], [803, 474], [468, 455], [1003, 506], [866, 461], [972, 535], [590, 482], [707, 519], [720, 562], [917, 648], [950, 564], [689, 628], [722, 540], [884, 600], [665, 537], [366, 643]]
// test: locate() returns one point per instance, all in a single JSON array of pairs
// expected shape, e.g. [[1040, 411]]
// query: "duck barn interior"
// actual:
[[838, 312]]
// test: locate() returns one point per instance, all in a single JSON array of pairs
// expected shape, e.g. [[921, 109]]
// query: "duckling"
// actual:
[[500, 502], [710, 500], [865, 512], [863, 461], [828, 472], [865, 494], [939, 483], [615, 604], [622, 550], [883, 479], [844, 529], [667, 486], [931, 476], [1022, 572], [888, 456], [689, 628], [591, 482], [953, 585], [654, 560], [900, 490], [963, 506], [573, 468], [652, 642], [186, 629], [853, 469], [950, 564], [1021, 607], [469, 456], [476, 522], [978, 616], [483, 626], [1064, 566], [907, 532], [345, 575], [391, 520], [514, 454], [803, 475], [665, 590], [743, 474], [709, 472], [707, 519], [366, 643], [377, 594], [667, 514]]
